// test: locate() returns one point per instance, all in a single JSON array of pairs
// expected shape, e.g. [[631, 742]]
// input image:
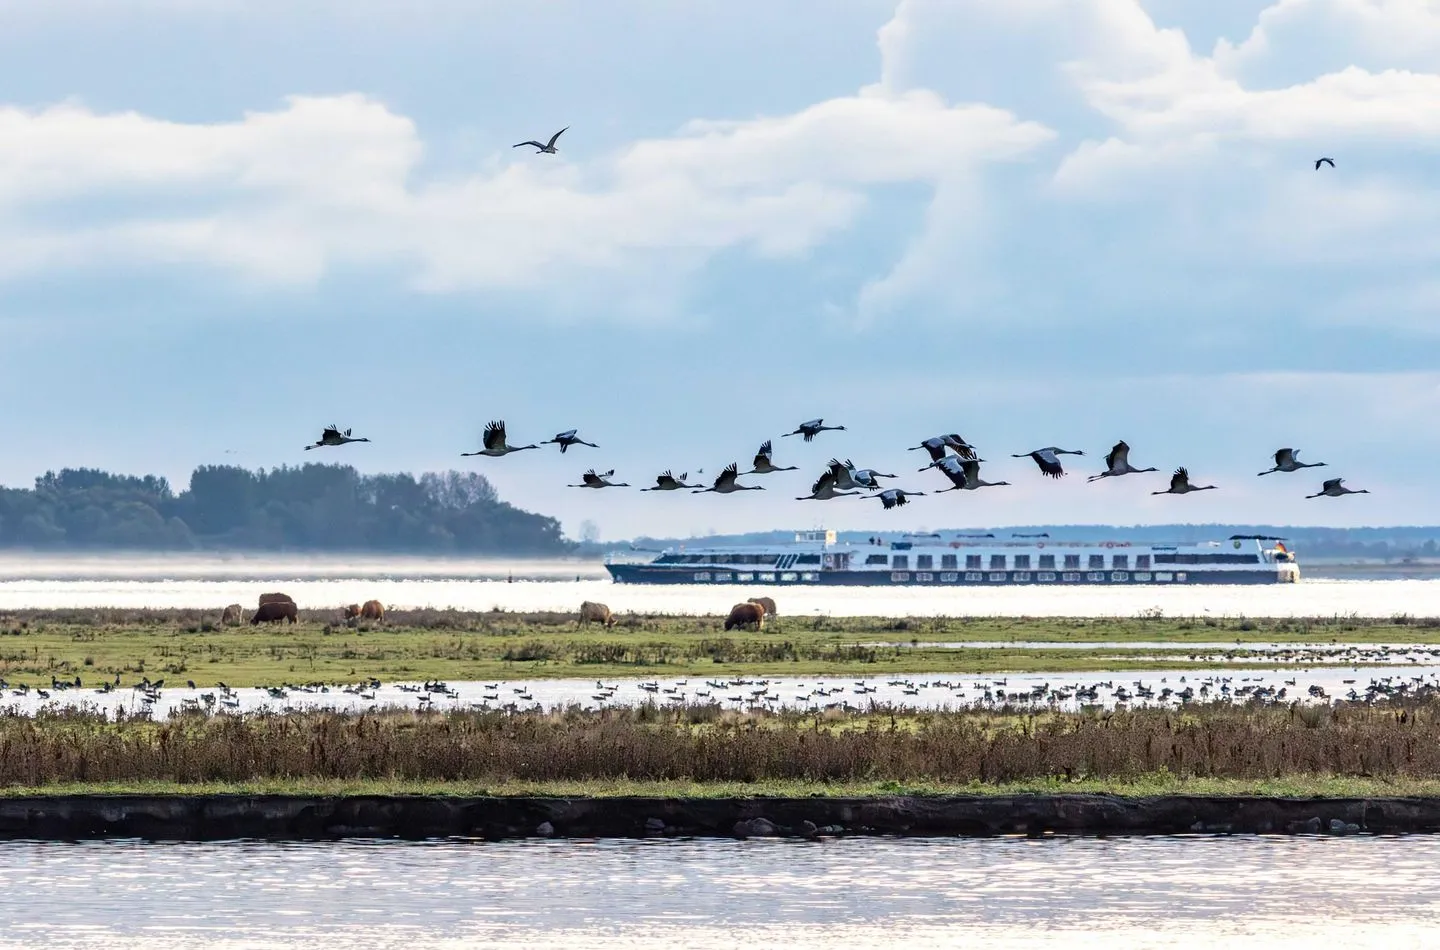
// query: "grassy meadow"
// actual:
[[176, 645]]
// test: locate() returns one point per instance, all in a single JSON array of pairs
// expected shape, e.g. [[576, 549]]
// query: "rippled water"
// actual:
[[996, 893], [1310, 598]]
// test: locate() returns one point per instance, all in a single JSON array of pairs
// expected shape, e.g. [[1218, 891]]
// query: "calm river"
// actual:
[[1131, 893]]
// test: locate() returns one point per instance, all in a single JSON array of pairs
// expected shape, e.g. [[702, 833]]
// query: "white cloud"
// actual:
[[1375, 34], [287, 195], [1164, 154]]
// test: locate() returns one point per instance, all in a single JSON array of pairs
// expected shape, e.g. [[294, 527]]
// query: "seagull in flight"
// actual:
[[548, 148]]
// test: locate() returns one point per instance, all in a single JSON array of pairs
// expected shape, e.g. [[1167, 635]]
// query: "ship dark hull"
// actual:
[[653, 574]]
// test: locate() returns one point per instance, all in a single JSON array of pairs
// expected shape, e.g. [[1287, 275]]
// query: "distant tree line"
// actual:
[[309, 507]]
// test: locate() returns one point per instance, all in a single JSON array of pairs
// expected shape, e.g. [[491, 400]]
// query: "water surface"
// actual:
[[998, 893]]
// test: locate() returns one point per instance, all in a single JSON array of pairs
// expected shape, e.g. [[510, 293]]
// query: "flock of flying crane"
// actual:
[[961, 469], [842, 478]]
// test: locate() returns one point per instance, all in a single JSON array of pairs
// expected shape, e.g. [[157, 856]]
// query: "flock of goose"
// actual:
[[858, 696], [950, 455]]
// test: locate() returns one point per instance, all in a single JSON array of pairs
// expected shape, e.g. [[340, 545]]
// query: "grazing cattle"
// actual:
[[233, 616], [275, 599], [743, 615], [275, 611], [352, 611], [765, 602], [591, 612], [372, 610]]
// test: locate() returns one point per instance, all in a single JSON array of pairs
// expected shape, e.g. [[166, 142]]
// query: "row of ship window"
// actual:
[[1069, 577], [998, 562], [1046, 562]]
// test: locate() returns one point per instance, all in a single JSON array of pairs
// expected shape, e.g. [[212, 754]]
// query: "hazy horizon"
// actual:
[[1050, 222]]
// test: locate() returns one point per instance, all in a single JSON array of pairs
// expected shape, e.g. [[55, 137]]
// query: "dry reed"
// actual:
[[705, 743]]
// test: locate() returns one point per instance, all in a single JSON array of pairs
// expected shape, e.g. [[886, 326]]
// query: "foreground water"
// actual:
[[333, 587], [998, 893]]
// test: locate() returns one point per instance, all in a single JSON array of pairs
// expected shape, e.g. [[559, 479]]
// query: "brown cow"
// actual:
[[765, 602], [742, 615], [372, 610], [233, 615], [352, 611], [275, 599], [591, 612], [275, 611]]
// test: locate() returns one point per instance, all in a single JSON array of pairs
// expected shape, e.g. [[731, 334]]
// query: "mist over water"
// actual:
[[209, 583]]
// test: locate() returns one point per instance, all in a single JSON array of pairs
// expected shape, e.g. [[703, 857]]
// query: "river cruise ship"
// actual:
[[816, 558]]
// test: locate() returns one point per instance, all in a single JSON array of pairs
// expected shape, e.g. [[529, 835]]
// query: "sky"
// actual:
[[227, 223]]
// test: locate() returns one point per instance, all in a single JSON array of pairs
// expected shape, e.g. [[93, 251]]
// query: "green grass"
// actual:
[[416, 645], [1292, 786]]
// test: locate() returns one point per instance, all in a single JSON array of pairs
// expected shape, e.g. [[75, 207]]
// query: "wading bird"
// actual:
[[894, 497], [1180, 484], [824, 489], [494, 440], [1048, 459], [725, 482], [813, 428], [1335, 487], [568, 438], [1285, 461], [1118, 463], [667, 482], [548, 148], [333, 436], [763, 463], [591, 480]]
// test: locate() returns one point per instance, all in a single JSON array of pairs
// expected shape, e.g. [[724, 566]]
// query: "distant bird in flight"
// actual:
[[566, 439], [494, 440], [1047, 459], [1285, 461], [1324, 161], [894, 497], [937, 445], [725, 482], [665, 481], [1180, 484], [824, 489], [813, 428], [333, 436], [763, 463], [548, 148], [953, 469], [591, 480], [1335, 487], [1118, 463], [973, 481], [848, 476]]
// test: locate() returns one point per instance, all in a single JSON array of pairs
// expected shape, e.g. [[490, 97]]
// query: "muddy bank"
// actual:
[[283, 817]]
